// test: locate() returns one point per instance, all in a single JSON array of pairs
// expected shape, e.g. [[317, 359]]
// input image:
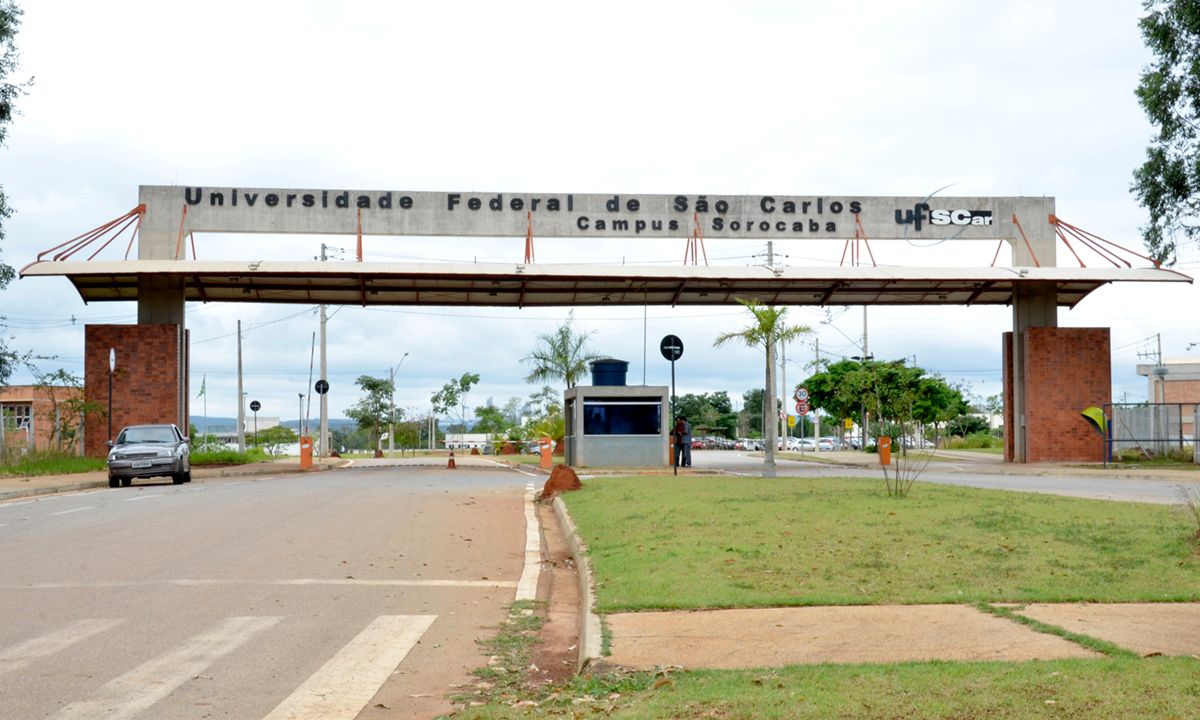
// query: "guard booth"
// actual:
[[611, 424]]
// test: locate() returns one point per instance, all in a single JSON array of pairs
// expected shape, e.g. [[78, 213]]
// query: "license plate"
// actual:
[[140, 464]]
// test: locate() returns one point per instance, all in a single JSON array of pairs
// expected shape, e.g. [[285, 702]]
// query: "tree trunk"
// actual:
[[770, 414]]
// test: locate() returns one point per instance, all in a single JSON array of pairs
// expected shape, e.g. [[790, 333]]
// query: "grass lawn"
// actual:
[[1108, 689], [49, 463], [707, 542]]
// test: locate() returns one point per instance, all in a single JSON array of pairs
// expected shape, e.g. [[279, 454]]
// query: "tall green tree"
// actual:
[[560, 355], [768, 327], [453, 396], [10, 20], [1168, 183], [273, 439], [711, 411], [374, 411]]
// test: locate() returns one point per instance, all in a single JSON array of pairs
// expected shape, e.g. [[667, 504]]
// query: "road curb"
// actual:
[[51, 489], [590, 637]]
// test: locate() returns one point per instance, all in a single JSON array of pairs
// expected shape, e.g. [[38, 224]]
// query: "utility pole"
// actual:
[[783, 394], [392, 414], [241, 396], [816, 415], [323, 431]]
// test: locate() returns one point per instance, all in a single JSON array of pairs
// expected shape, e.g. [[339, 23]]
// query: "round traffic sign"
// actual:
[[321, 386], [255, 405], [671, 347], [802, 407], [801, 393]]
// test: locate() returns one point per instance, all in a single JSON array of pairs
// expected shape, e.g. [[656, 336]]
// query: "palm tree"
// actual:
[[560, 355], [767, 329]]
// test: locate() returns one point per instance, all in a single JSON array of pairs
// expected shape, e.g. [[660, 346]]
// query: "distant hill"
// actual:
[[216, 423]]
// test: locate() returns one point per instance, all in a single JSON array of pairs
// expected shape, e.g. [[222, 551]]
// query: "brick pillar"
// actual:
[[1009, 405], [151, 367], [1066, 370]]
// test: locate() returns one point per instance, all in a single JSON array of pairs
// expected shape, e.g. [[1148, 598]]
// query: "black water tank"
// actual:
[[609, 371]]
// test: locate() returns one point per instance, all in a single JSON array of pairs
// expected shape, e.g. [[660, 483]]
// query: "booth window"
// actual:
[[625, 416]]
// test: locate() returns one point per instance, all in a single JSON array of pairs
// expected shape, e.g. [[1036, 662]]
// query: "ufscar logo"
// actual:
[[922, 213]]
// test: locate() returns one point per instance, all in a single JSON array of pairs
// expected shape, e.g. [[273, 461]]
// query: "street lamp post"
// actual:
[[112, 366], [392, 415], [300, 417]]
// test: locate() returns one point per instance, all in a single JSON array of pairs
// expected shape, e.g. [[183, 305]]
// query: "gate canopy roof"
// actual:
[[533, 285]]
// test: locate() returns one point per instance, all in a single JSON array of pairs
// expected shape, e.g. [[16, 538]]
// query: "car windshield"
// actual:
[[147, 435]]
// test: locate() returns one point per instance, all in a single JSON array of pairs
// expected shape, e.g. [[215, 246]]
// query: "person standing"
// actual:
[[683, 442]]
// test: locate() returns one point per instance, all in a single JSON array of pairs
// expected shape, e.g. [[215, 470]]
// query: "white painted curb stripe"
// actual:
[[135, 691], [20, 656], [527, 585], [345, 684]]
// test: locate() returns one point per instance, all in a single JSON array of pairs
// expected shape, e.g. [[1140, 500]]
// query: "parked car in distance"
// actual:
[[829, 444], [142, 451]]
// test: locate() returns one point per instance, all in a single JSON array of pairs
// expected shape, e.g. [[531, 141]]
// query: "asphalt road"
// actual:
[[990, 473], [299, 596]]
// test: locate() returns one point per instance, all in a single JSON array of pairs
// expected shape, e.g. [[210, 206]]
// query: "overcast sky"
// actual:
[[788, 98]]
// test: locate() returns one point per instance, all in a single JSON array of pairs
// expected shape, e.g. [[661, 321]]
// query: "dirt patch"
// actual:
[[557, 650], [782, 636], [1145, 628]]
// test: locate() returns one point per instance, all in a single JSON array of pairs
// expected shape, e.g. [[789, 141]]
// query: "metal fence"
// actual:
[[1153, 429]]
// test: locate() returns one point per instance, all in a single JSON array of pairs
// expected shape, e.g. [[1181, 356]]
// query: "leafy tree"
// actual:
[[375, 410], [560, 355], [752, 408], [546, 401], [767, 328], [10, 19], [965, 425], [273, 439], [491, 420], [68, 406], [891, 391], [1168, 183], [709, 410], [453, 395]]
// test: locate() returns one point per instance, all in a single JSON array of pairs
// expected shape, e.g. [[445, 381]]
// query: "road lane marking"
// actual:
[[21, 656], [135, 691], [398, 583], [352, 582], [347, 682], [73, 510], [143, 497], [527, 586]]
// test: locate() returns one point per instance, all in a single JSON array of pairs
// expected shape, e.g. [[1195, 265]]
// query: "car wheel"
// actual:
[[178, 478], [114, 482], [187, 475], [126, 482]]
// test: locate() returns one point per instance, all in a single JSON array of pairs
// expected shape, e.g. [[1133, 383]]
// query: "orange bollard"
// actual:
[[306, 450], [545, 447], [885, 450], [450, 464]]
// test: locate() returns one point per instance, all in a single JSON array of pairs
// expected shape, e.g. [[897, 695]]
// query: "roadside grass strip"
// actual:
[[717, 542], [1104, 689], [1087, 641]]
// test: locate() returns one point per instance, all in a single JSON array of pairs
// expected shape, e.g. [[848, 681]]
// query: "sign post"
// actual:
[[255, 406], [802, 409], [671, 348]]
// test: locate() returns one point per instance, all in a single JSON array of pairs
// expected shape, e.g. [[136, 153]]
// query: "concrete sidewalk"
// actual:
[[771, 637]]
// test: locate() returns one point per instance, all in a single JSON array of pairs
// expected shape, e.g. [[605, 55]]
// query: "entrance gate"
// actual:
[[1058, 362]]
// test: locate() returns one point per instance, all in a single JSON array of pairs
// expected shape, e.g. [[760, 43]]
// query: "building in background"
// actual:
[[38, 417]]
